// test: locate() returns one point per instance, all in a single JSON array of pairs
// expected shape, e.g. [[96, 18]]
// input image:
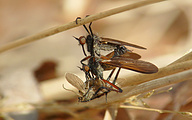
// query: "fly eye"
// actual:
[[86, 68], [82, 40]]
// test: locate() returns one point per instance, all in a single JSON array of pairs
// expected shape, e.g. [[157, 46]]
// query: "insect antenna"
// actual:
[[70, 90]]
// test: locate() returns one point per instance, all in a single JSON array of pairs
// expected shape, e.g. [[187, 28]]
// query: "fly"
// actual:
[[95, 43]]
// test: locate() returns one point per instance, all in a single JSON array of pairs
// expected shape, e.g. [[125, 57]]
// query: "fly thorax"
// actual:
[[96, 44], [89, 41]]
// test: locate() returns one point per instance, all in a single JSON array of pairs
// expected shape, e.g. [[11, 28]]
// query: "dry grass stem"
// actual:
[[186, 57], [70, 25], [161, 82], [189, 114], [182, 64]]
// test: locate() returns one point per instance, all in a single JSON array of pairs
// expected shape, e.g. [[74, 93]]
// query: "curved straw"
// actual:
[[73, 24]]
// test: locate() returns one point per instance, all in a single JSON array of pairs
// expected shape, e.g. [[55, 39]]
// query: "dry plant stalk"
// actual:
[[165, 71], [71, 25], [157, 110]]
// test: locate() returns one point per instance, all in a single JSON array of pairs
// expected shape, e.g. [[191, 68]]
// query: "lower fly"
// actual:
[[91, 89]]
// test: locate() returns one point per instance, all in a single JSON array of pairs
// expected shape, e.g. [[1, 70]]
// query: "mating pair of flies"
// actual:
[[118, 57]]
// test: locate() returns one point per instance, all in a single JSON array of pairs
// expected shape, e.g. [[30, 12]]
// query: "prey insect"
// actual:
[[91, 89]]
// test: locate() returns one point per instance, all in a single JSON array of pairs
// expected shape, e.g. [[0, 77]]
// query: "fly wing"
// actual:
[[131, 55], [131, 64], [118, 42], [75, 81]]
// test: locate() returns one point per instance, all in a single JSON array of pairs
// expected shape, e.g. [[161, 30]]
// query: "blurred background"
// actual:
[[35, 72]]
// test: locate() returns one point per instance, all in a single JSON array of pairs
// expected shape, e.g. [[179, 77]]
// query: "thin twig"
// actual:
[[186, 57], [189, 114], [182, 64], [164, 81], [70, 25]]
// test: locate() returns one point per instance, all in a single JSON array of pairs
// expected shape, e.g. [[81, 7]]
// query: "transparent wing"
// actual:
[[75, 81], [118, 42]]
